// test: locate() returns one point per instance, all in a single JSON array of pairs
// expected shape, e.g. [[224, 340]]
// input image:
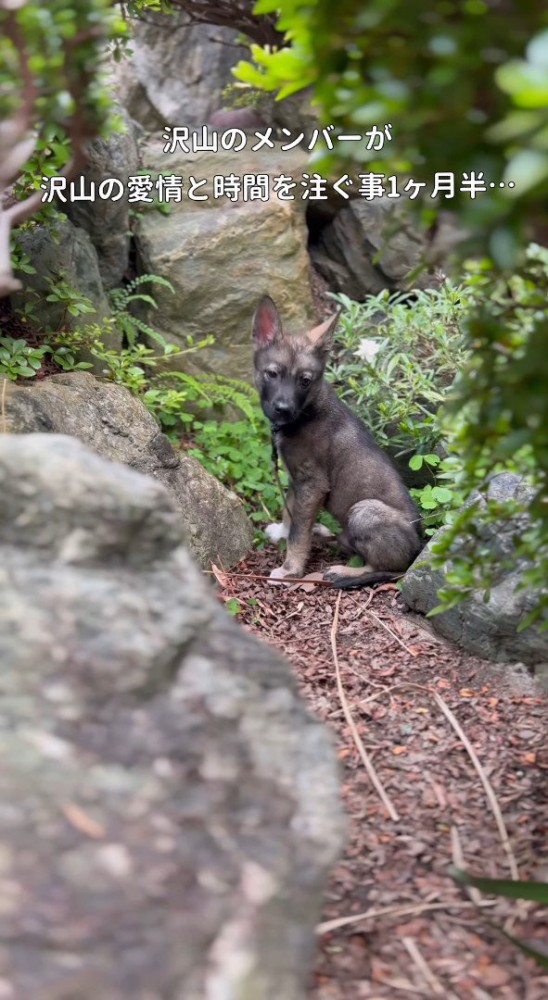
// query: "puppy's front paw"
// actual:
[[279, 574]]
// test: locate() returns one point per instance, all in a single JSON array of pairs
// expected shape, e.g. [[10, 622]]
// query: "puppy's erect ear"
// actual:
[[322, 336], [267, 325]]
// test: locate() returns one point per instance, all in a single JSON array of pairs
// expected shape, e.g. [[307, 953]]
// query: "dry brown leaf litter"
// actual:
[[427, 938]]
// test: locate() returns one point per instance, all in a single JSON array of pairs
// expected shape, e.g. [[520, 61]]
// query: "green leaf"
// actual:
[[142, 297], [442, 494], [526, 169], [525, 82], [248, 73], [537, 51], [291, 88], [540, 957], [534, 891], [355, 561]]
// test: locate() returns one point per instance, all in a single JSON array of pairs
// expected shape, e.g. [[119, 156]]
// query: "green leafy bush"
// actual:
[[395, 361], [18, 360], [173, 397], [74, 304], [437, 501], [463, 87], [239, 453], [496, 418], [127, 321]]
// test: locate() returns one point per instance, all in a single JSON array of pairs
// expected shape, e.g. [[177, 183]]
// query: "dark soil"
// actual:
[[391, 669]]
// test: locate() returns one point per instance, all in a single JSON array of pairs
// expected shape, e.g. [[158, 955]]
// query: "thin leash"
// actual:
[[276, 470]]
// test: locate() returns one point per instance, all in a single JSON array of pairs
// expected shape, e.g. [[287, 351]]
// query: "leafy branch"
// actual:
[[48, 70]]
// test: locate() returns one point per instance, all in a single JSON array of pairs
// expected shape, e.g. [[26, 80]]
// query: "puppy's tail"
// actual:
[[368, 579]]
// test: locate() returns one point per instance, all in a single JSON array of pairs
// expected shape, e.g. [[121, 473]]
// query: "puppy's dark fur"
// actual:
[[332, 460]]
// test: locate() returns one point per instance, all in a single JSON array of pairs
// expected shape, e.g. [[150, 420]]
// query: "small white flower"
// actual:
[[275, 532], [368, 349]]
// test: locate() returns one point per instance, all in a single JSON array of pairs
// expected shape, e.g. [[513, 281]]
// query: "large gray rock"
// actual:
[[117, 425], [168, 808], [107, 221], [487, 628], [175, 72], [222, 256], [370, 246]]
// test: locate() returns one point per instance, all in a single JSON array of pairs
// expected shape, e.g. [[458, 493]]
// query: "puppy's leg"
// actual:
[[307, 500], [287, 513], [386, 539], [275, 532]]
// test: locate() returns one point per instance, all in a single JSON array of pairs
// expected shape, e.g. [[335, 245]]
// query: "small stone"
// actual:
[[115, 859]]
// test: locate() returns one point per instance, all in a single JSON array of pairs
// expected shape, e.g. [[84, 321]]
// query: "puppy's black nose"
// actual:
[[282, 409]]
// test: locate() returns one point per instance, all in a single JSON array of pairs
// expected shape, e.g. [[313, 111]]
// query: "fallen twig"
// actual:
[[401, 984], [399, 911], [393, 634], [371, 697], [82, 822], [423, 967], [459, 862], [348, 716], [488, 788], [269, 579]]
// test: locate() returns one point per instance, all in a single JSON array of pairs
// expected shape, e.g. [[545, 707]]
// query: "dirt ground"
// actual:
[[408, 693]]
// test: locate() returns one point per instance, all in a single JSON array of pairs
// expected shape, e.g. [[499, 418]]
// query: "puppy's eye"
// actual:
[[305, 379], [270, 373]]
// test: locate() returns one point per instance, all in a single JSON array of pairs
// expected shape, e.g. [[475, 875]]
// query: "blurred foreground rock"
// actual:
[[117, 425], [168, 808]]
